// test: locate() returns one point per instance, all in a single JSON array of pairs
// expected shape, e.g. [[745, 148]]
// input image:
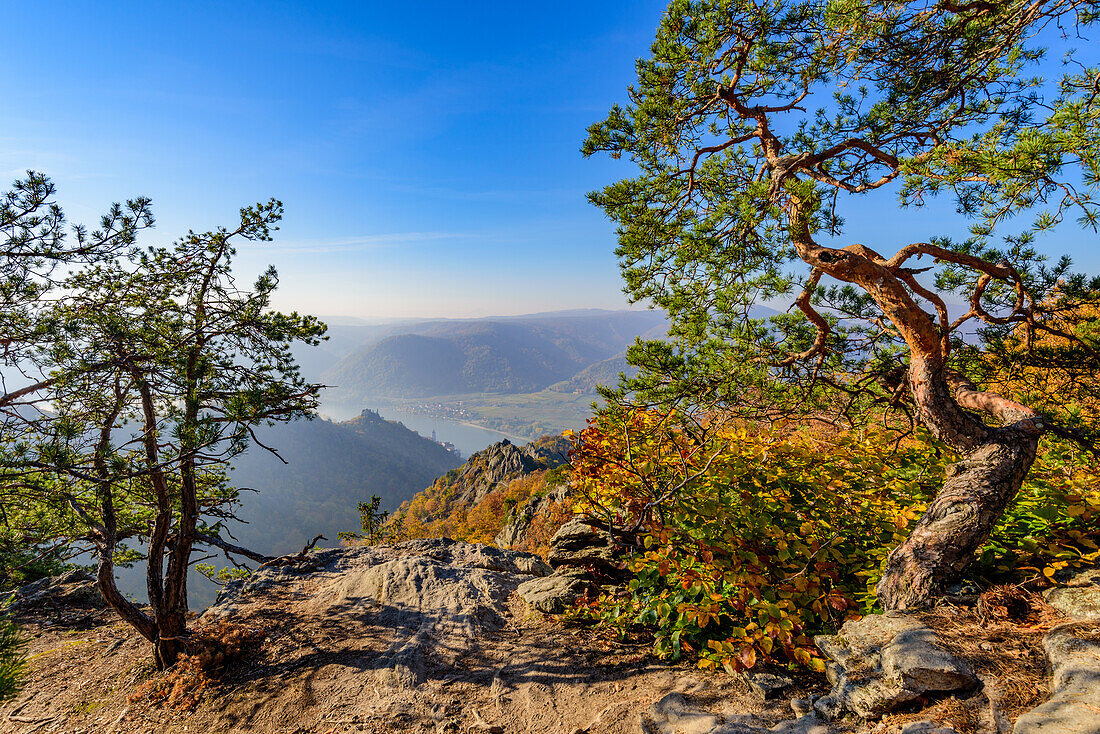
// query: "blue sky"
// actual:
[[427, 153]]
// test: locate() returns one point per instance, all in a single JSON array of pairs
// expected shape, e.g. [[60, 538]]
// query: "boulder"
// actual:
[[884, 661], [74, 589], [808, 724], [927, 727], [579, 544], [768, 685], [674, 715], [1079, 599], [1074, 706], [555, 593], [915, 659]]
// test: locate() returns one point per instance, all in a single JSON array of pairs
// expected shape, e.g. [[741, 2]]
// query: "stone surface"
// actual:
[[1074, 706], [927, 727], [502, 462], [515, 527], [915, 659], [884, 661], [1079, 599], [555, 593], [74, 589], [768, 685], [375, 639], [674, 715], [579, 544], [437, 595], [809, 724]]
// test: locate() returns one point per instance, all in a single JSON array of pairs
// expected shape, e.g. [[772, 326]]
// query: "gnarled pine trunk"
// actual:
[[996, 459], [975, 494]]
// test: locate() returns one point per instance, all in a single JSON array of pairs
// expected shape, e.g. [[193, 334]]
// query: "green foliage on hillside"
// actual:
[[605, 372], [754, 540]]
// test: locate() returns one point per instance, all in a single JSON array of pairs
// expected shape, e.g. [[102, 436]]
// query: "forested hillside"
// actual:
[[330, 468], [604, 372]]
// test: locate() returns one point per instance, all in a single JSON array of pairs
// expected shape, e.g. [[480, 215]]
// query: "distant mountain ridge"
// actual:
[[506, 355], [604, 372]]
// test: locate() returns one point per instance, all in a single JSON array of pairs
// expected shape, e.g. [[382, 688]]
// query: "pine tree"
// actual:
[[754, 127]]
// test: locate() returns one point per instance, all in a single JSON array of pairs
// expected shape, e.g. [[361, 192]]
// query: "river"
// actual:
[[466, 437]]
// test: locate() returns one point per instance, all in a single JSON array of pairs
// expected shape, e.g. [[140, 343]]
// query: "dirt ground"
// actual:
[[317, 671], [430, 639]]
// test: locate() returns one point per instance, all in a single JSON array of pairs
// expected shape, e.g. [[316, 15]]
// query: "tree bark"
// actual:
[[976, 492], [959, 520], [169, 621], [995, 460], [108, 589]]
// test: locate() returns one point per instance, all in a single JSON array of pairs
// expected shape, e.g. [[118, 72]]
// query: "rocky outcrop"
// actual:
[[674, 714], [440, 595], [579, 544], [75, 589], [70, 600], [518, 522], [503, 462], [882, 662], [767, 684], [927, 727], [1074, 706], [555, 593], [460, 490]]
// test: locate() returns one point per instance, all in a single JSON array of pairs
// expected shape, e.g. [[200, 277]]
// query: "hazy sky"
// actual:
[[427, 153]]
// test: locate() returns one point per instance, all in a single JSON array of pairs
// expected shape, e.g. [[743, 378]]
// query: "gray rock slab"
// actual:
[[673, 714], [768, 685], [873, 698], [576, 543], [809, 724], [884, 661], [1074, 706], [76, 588], [927, 727], [555, 593], [439, 597], [1079, 599], [915, 659]]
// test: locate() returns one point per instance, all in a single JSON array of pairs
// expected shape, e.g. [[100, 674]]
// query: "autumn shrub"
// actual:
[[752, 540], [1053, 526]]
